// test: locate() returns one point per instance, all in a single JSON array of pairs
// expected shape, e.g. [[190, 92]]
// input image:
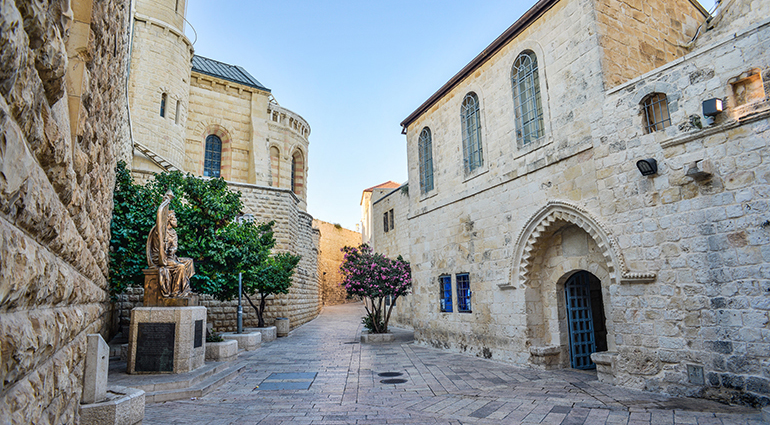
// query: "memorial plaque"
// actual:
[[198, 334], [155, 347]]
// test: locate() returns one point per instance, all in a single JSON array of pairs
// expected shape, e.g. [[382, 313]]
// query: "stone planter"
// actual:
[[268, 333], [246, 341], [366, 337], [282, 326], [222, 351]]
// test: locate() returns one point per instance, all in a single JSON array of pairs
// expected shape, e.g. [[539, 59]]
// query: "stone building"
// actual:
[[213, 119], [63, 119], [572, 202], [367, 197], [330, 256]]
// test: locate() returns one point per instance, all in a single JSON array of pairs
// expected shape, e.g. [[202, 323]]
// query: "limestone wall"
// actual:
[[62, 114], [330, 257], [680, 258], [225, 109], [289, 133], [639, 36]]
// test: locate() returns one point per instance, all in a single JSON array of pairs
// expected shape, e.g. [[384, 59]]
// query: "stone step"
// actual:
[[197, 390]]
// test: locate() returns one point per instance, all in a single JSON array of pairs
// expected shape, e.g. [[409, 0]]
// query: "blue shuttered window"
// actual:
[[463, 293], [446, 293]]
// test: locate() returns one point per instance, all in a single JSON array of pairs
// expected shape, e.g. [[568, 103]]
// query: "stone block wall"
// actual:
[[294, 233], [639, 36], [62, 113], [330, 257]]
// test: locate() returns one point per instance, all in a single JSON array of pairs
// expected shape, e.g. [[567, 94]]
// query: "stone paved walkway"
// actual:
[[339, 383]]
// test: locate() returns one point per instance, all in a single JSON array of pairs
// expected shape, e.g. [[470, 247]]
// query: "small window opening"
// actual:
[[163, 99], [445, 286], [463, 293], [656, 117], [178, 112]]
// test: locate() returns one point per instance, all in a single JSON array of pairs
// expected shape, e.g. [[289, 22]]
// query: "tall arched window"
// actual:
[[425, 147], [526, 98], [297, 173], [212, 161], [471, 123], [656, 117], [275, 165]]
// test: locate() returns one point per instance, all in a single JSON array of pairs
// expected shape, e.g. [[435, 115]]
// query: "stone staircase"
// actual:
[[158, 160]]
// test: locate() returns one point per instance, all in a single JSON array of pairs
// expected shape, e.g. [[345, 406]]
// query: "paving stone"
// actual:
[[338, 383]]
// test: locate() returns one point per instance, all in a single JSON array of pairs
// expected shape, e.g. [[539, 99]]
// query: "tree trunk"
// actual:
[[260, 322]]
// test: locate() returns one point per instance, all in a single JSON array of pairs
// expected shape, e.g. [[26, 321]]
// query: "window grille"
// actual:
[[463, 293], [656, 117], [526, 99], [213, 156], [392, 224], [163, 99], [445, 283], [471, 124], [425, 146]]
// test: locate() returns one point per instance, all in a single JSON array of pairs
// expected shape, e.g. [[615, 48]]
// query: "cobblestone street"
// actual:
[[320, 373]]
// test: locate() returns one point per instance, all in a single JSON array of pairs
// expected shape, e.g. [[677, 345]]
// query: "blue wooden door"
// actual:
[[581, 324]]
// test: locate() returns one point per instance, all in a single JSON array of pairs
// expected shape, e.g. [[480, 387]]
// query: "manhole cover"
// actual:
[[386, 374], [393, 381]]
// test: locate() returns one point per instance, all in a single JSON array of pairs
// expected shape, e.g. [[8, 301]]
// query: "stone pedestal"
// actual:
[[366, 337], [166, 339], [153, 297], [123, 406], [605, 366], [268, 333], [222, 351], [545, 357], [282, 326], [246, 341]]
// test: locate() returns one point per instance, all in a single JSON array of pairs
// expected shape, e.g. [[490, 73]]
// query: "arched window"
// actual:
[[275, 165], [163, 99], [212, 162], [655, 107], [526, 99], [471, 123], [425, 147], [297, 173]]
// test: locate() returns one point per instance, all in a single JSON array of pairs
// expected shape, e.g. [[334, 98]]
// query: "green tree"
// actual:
[[267, 278], [209, 233]]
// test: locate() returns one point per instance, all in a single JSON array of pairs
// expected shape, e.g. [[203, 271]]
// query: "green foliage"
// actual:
[[368, 322], [272, 276], [206, 210], [214, 337]]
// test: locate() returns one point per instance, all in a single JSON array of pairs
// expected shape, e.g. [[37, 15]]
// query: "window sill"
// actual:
[[531, 147], [475, 173], [424, 196]]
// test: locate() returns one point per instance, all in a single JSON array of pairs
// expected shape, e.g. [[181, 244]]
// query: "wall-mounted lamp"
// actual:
[[647, 166], [712, 108]]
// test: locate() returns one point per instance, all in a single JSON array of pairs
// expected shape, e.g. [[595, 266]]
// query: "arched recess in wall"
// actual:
[[226, 161], [556, 213], [297, 172], [275, 166]]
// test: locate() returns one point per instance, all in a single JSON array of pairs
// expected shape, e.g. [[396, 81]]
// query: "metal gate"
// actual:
[[581, 324]]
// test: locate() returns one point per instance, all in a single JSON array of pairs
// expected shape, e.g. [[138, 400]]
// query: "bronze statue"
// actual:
[[174, 273]]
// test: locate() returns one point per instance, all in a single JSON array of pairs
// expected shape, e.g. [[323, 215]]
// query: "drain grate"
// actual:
[[352, 342], [388, 374], [393, 381]]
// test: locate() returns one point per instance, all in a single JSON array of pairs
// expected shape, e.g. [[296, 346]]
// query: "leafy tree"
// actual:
[[272, 276], [375, 278], [209, 233]]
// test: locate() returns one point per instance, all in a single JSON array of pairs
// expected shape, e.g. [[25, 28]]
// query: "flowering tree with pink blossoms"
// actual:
[[375, 278]]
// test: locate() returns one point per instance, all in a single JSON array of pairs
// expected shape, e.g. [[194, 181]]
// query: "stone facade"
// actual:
[[330, 256], [676, 261], [367, 221], [264, 149], [63, 116]]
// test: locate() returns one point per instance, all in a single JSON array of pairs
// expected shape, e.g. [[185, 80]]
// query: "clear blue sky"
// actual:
[[354, 70]]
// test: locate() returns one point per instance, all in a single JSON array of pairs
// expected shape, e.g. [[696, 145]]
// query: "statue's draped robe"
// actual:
[[173, 272]]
